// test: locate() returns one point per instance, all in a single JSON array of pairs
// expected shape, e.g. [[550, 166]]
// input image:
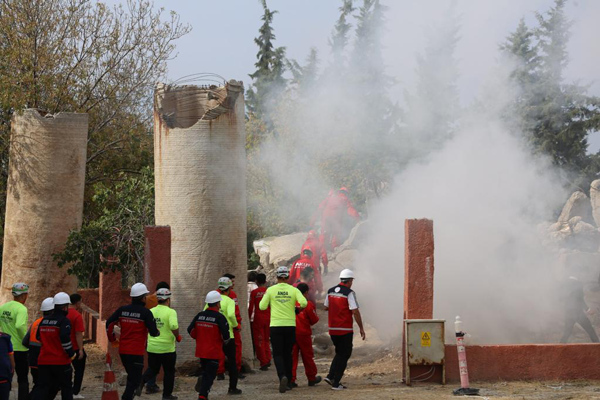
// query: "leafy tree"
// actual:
[[115, 239]]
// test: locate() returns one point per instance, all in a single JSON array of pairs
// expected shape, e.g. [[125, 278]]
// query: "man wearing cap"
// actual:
[[161, 349], [30, 341], [13, 321], [282, 299], [136, 322], [342, 307], [228, 310], [211, 331], [56, 353]]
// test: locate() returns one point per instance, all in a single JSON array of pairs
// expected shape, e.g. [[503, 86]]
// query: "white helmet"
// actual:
[[213, 297], [139, 289], [224, 283], [283, 272], [60, 299], [47, 304], [163, 294], [347, 274]]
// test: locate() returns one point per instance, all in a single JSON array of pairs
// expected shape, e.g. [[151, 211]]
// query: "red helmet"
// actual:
[[344, 189]]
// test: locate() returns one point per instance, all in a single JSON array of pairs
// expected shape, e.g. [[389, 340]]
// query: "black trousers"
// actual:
[[209, 373], [283, 339], [52, 378], [79, 367], [343, 352], [5, 390], [572, 318], [167, 362], [229, 350], [22, 370], [134, 366]]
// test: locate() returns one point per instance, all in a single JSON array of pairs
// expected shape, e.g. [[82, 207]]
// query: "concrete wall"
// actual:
[[527, 362], [200, 179], [44, 201]]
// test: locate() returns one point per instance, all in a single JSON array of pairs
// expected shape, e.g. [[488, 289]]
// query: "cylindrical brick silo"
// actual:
[[46, 179], [200, 179]]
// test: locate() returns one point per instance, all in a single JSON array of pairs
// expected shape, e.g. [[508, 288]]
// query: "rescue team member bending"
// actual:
[[228, 310], [305, 262], [30, 341], [314, 244], [260, 323], [237, 331], [56, 353], [13, 321], [212, 334], [342, 307], [304, 320], [77, 329], [282, 299], [161, 349], [136, 322]]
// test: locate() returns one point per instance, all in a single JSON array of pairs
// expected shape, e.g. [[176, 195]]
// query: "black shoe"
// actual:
[[241, 377], [283, 385], [264, 367], [220, 377], [329, 381], [234, 391], [152, 389], [293, 385], [317, 380], [171, 397]]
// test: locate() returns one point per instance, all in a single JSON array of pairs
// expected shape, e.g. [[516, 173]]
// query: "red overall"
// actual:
[[314, 244], [336, 210], [237, 336], [304, 321], [304, 262], [260, 326]]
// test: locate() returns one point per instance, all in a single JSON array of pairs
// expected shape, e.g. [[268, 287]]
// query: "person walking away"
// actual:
[[77, 330], [13, 321], [151, 302], [337, 213], [342, 307], [228, 310], [136, 322], [30, 341], [237, 331], [306, 261], [260, 323], [7, 365], [304, 320], [56, 354], [161, 349], [307, 276], [211, 331], [251, 283], [282, 299], [314, 244], [577, 311]]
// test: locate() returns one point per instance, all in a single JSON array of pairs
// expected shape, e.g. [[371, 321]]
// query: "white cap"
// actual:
[[60, 299], [20, 288], [347, 274], [283, 272], [213, 297], [163, 294], [224, 283], [139, 289], [47, 304]]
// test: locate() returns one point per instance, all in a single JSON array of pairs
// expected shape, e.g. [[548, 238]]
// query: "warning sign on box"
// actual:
[[425, 339]]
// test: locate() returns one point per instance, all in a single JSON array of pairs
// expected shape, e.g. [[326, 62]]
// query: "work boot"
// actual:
[[292, 385], [220, 377], [171, 397], [264, 368], [283, 384], [241, 376], [152, 389], [234, 391], [315, 382]]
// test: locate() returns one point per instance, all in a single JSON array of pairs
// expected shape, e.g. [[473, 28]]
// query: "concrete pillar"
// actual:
[[418, 269], [157, 256], [200, 186], [46, 177]]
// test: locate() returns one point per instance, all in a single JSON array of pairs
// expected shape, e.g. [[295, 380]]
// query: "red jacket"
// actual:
[[313, 243], [305, 319], [338, 205], [54, 333], [303, 262], [340, 315], [136, 323], [253, 309], [211, 330]]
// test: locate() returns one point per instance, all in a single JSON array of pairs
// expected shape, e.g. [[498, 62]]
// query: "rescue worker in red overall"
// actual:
[[304, 320], [315, 245], [30, 341], [136, 323], [54, 362], [237, 331], [342, 307], [306, 261], [308, 277], [211, 331], [260, 323], [338, 212]]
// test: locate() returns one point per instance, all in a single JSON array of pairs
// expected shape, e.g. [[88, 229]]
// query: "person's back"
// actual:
[[135, 320], [7, 363], [13, 321], [261, 320], [282, 299]]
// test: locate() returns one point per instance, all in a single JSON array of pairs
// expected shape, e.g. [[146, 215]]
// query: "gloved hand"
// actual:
[[179, 338], [115, 344]]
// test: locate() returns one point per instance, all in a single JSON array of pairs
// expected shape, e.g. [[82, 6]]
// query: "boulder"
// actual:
[[578, 205], [595, 201], [277, 251]]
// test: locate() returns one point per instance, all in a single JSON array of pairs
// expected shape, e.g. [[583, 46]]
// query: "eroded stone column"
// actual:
[[200, 180], [46, 178]]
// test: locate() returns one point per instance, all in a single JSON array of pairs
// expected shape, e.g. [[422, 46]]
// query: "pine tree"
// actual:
[[339, 38], [268, 81], [305, 77]]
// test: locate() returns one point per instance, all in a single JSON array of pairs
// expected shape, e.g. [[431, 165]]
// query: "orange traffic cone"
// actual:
[[109, 391]]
